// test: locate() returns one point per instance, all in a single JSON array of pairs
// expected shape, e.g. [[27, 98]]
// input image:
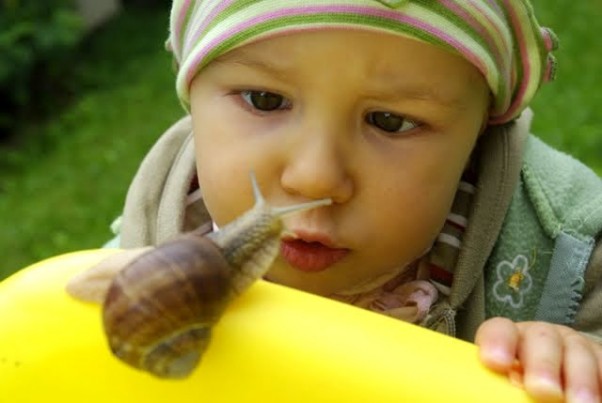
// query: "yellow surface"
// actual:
[[273, 344]]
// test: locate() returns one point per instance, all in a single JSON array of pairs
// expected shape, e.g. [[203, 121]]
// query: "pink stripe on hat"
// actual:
[[501, 38]]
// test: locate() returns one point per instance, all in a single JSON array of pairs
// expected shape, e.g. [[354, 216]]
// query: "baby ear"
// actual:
[[93, 284]]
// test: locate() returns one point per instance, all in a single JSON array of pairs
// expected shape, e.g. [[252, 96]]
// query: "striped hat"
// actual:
[[501, 38]]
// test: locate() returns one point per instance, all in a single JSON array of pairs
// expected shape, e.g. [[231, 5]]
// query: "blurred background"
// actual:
[[86, 87]]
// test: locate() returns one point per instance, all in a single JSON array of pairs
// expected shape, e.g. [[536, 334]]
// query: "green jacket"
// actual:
[[531, 250]]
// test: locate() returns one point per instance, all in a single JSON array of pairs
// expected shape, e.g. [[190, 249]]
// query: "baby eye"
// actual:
[[390, 122], [264, 100]]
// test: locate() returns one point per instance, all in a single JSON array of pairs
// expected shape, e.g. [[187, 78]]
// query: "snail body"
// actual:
[[159, 310]]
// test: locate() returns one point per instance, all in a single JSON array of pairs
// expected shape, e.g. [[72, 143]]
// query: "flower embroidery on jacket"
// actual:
[[513, 281]]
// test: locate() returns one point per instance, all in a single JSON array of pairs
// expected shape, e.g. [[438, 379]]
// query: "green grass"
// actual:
[[65, 179], [568, 110]]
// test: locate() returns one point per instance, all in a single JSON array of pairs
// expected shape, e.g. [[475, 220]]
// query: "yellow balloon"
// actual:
[[274, 344]]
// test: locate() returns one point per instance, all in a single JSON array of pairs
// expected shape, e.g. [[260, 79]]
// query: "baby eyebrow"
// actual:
[[239, 58], [385, 90], [396, 92]]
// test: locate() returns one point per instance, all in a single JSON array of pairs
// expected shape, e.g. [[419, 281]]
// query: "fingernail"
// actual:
[[498, 355], [582, 396], [544, 386]]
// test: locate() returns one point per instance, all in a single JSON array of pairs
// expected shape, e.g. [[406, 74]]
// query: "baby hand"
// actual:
[[556, 363]]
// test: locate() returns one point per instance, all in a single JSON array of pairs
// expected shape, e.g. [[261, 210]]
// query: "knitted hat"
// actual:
[[501, 38]]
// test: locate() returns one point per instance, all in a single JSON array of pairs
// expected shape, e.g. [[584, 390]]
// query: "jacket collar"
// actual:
[[499, 160]]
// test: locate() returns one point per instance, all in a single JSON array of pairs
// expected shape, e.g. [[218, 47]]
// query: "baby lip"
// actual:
[[311, 252], [309, 238]]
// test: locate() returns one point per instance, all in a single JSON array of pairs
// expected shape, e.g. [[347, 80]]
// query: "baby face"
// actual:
[[380, 124]]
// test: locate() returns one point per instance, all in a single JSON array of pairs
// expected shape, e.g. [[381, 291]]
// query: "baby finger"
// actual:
[[541, 355], [581, 370]]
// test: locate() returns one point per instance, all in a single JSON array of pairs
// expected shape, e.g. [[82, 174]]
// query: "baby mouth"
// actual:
[[310, 256]]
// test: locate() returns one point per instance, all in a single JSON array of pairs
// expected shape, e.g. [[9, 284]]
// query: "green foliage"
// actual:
[[33, 33], [63, 180]]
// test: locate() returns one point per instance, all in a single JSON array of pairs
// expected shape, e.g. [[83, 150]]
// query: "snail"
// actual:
[[159, 310]]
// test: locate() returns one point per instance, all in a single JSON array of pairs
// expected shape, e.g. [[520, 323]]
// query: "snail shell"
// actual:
[[159, 310], [160, 320]]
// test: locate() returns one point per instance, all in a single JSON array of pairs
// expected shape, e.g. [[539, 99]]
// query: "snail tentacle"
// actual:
[[251, 242], [159, 310]]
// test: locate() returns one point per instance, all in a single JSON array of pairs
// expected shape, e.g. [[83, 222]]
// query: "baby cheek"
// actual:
[[441, 204], [428, 215], [223, 195]]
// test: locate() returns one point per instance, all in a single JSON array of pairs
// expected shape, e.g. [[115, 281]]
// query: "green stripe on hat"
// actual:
[[500, 37]]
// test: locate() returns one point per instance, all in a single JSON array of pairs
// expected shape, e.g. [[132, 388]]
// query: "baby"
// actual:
[[411, 116]]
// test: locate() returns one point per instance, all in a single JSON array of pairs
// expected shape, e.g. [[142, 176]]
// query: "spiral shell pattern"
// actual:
[[160, 320]]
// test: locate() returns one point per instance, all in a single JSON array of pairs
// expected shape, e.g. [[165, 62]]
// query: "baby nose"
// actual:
[[317, 168]]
